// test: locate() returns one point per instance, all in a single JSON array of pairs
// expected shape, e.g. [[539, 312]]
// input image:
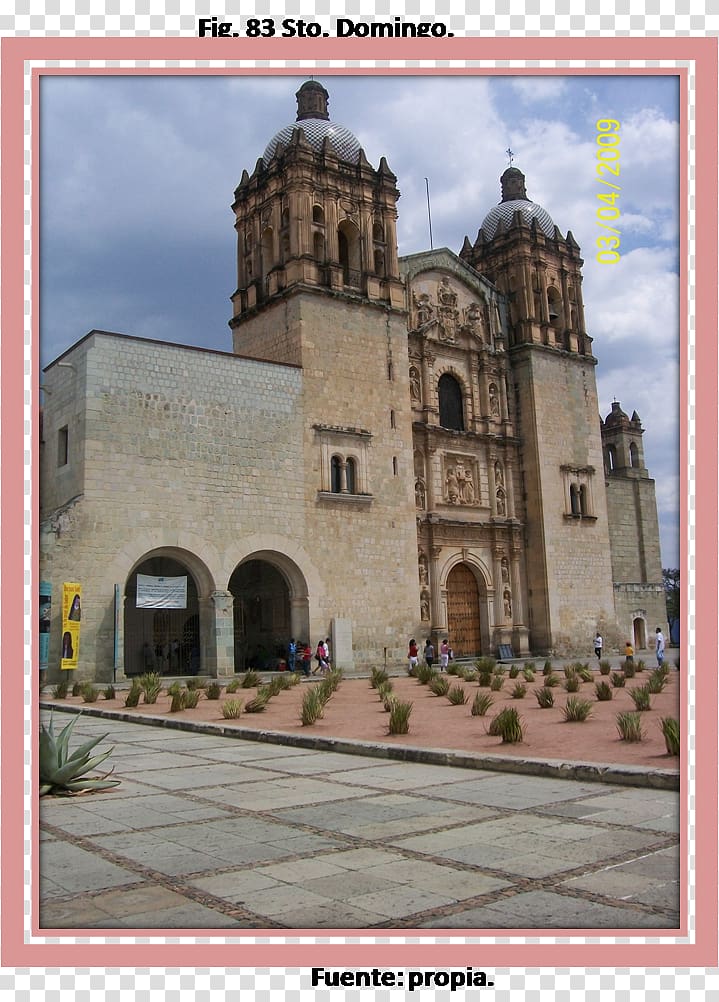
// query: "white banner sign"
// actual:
[[161, 593]]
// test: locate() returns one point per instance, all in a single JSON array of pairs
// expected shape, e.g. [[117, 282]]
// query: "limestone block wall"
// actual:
[[569, 572], [632, 510]]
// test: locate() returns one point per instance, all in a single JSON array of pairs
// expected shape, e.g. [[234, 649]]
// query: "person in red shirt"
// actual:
[[412, 655]]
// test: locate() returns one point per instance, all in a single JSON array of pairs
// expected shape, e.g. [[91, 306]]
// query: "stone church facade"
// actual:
[[395, 447]]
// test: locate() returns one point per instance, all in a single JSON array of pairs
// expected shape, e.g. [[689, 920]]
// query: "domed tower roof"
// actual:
[[514, 199], [314, 120], [617, 418]]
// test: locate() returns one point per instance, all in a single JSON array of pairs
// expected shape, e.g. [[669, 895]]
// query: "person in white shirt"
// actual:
[[660, 647], [598, 644]]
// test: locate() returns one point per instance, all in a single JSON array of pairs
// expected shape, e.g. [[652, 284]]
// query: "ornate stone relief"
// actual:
[[415, 385], [460, 480], [419, 494]]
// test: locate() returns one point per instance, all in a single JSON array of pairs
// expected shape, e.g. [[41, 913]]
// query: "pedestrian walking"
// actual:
[[660, 647], [444, 655], [598, 644], [429, 653], [412, 657]]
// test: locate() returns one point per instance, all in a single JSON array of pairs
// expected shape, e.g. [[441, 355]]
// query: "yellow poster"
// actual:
[[71, 619]]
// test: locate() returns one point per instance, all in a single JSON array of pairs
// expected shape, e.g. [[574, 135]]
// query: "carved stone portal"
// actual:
[[460, 480]]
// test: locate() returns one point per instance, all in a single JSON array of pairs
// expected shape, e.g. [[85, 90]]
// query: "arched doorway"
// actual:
[[261, 613], [640, 634], [464, 619], [164, 637]]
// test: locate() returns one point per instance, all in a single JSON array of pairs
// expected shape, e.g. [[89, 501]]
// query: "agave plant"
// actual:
[[60, 771]]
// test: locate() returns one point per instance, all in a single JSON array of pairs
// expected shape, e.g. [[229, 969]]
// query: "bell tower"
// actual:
[[314, 215], [319, 288], [554, 400]]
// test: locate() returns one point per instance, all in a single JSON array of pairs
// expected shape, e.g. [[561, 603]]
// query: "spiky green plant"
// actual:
[[77, 688], [514, 671], [641, 664], [545, 697], [233, 686], [485, 679], [499, 670], [196, 683], [454, 669], [178, 700], [260, 701], [618, 679], [60, 690], [231, 709], [213, 691], [439, 685], [519, 691], [531, 665], [670, 729], [174, 688], [548, 669], [312, 707], [389, 700], [604, 667], [384, 689], [469, 675], [577, 709], [89, 693], [570, 671], [629, 668], [134, 693], [424, 674], [656, 681], [497, 682], [482, 702], [572, 683], [629, 726], [603, 690], [528, 674], [192, 698], [551, 680], [641, 697], [60, 771], [109, 692], [485, 663], [151, 685], [250, 680], [507, 724], [378, 676], [399, 718], [293, 678], [457, 695], [585, 673]]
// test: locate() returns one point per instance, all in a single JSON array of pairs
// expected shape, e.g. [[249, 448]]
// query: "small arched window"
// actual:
[[611, 457], [583, 509], [351, 472], [451, 404], [318, 215], [633, 454], [336, 475]]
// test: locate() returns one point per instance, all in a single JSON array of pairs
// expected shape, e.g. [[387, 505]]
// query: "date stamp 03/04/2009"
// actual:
[[607, 170]]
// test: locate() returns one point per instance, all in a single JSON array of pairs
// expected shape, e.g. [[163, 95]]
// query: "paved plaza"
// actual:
[[211, 832]]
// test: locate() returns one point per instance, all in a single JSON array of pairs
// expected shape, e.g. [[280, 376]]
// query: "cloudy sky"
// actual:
[[138, 174]]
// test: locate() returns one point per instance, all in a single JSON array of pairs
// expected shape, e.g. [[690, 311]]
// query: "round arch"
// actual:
[[270, 605], [465, 584], [166, 634]]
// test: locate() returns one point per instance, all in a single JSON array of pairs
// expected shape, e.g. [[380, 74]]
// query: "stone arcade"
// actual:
[[394, 448]]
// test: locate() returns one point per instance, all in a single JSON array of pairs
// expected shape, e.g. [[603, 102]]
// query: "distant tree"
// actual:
[[670, 578]]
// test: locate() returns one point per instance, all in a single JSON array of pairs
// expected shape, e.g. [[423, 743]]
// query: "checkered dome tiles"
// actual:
[[316, 130], [505, 212]]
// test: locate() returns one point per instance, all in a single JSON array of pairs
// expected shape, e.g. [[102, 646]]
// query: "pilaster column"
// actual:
[[509, 487], [516, 577], [119, 673], [497, 554], [437, 619], [491, 460], [221, 660], [390, 237]]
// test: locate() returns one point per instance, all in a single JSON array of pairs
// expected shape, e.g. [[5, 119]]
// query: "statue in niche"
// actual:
[[446, 294], [424, 605], [465, 485], [415, 390], [424, 309], [452, 485], [498, 475], [419, 494], [474, 318], [507, 604], [505, 570], [448, 312], [501, 505], [468, 487], [493, 400], [423, 575]]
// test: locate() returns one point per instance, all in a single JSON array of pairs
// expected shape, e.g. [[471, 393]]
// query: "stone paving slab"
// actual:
[[228, 833]]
